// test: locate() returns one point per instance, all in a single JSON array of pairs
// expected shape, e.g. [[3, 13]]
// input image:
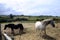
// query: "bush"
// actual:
[[21, 19], [39, 19], [56, 20], [3, 20]]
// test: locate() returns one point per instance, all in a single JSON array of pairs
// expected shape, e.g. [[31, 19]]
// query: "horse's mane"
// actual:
[[46, 21]]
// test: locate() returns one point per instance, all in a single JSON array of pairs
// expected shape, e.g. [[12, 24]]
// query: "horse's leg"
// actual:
[[12, 30], [19, 31], [41, 33], [45, 32], [37, 31]]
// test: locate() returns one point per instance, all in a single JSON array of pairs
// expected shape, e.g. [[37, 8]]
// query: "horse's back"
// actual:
[[19, 26], [38, 25], [10, 25]]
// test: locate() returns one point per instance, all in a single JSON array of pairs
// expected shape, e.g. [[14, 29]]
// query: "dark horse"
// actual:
[[13, 26]]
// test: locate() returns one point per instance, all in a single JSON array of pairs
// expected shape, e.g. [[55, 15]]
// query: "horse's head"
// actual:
[[5, 27], [49, 21], [52, 23]]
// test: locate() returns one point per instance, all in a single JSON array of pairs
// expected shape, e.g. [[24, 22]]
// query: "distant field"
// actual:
[[30, 33]]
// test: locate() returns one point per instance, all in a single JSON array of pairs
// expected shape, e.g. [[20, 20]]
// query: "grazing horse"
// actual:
[[12, 26], [41, 25]]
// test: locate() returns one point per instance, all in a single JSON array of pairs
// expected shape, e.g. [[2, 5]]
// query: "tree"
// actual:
[[11, 16]]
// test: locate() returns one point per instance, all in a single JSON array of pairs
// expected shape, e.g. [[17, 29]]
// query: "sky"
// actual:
[[30, 7]]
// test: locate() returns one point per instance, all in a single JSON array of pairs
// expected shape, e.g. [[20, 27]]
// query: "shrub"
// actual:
[[39, 19], [21, 19]]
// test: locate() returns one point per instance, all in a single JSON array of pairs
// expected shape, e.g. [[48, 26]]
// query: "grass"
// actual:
[[30, 33]]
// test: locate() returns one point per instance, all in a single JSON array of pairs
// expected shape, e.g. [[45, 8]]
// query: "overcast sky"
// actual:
[[30, 7]]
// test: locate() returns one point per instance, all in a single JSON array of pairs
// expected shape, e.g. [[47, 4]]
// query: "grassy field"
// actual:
[[30, 33]]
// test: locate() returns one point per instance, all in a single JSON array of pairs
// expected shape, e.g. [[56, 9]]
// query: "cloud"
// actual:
[[7, 10], [3, 9], [32, 7]]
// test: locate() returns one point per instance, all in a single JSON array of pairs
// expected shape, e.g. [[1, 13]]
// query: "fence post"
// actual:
[[0, 33]]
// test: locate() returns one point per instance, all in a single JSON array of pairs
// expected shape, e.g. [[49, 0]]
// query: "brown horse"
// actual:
[[13, 26]]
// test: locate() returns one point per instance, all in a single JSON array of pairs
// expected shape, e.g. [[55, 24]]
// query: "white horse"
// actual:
[[41, 25]]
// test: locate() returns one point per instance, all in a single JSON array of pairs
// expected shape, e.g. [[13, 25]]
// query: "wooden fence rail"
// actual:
[[6, 37]]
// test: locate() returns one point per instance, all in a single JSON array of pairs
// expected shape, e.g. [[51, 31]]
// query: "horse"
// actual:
[[41, 25], [13, 26]]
